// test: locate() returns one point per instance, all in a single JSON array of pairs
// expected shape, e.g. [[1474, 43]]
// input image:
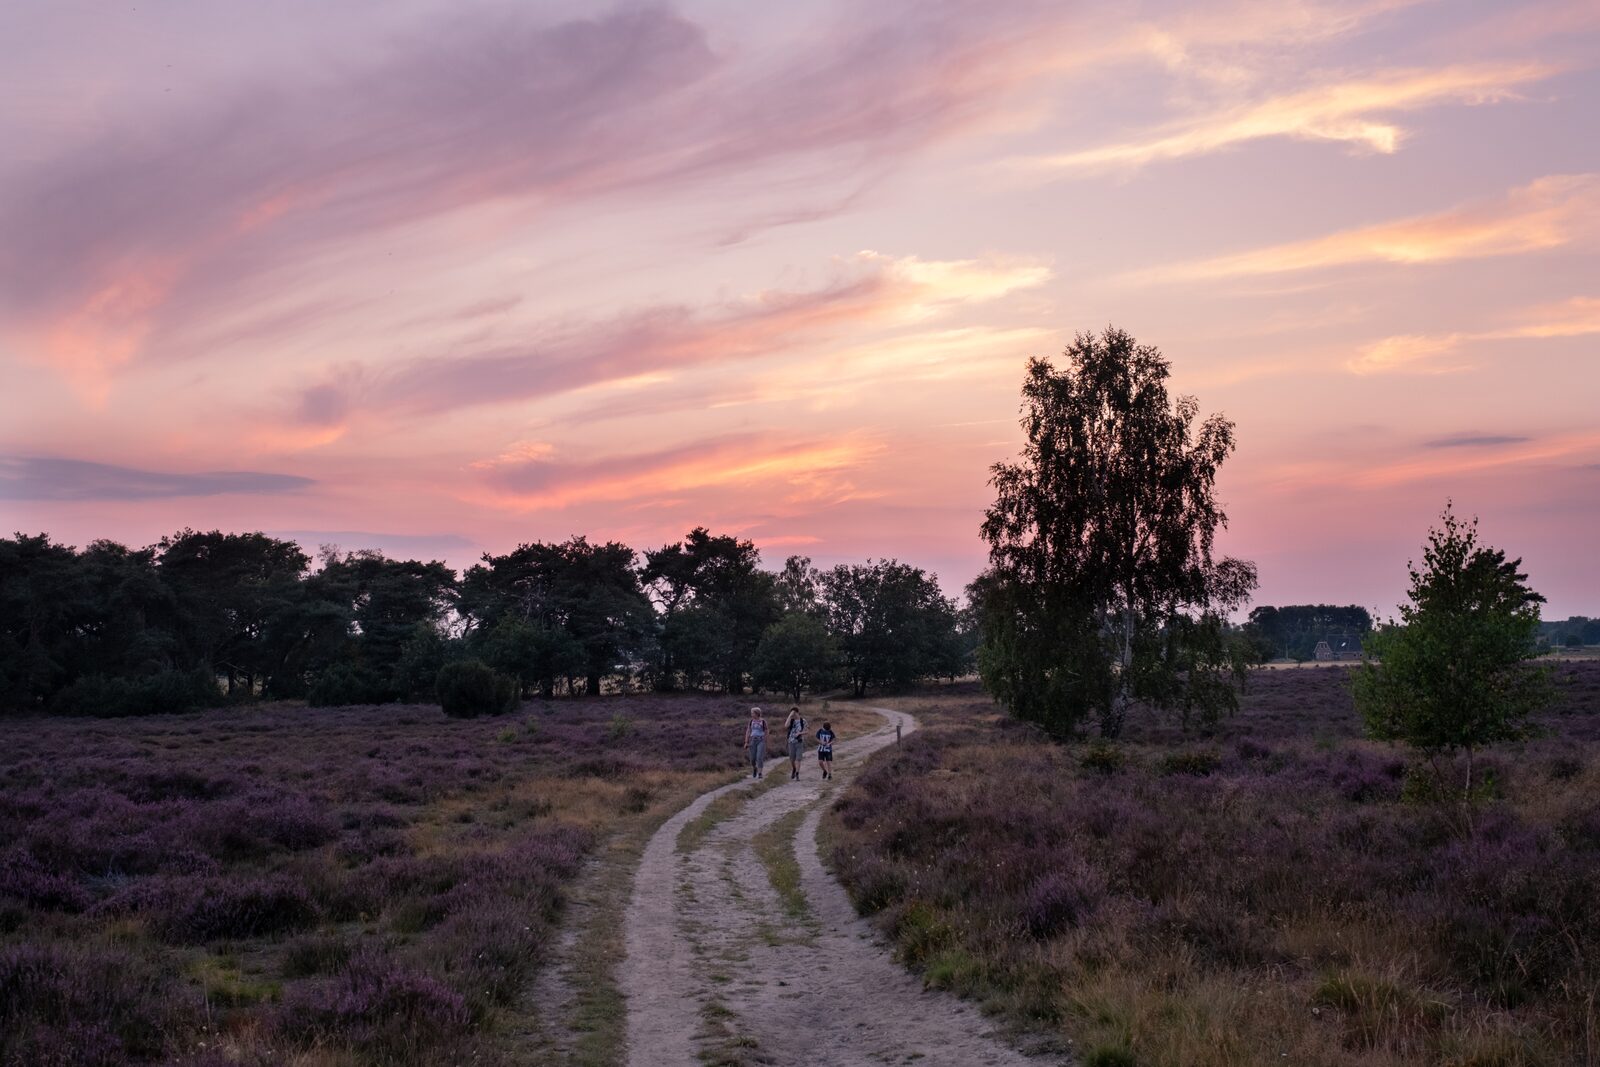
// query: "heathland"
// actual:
[[276, 884], [1282, 891]]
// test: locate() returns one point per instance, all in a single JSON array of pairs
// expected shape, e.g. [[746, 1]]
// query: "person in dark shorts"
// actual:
[[825, 750], [795, 728], [755, 741]]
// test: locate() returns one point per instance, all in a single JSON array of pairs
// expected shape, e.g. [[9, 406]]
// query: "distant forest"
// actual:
[[202, 618]]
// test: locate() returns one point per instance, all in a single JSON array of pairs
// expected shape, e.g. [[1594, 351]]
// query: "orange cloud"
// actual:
[[1577, 317], [809, 471], [1344, 112], [1549, 213]]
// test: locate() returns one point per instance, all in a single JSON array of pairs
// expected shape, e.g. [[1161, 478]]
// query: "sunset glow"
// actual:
[[439, 278]]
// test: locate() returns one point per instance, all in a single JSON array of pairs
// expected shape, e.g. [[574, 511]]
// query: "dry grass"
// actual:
[[1264, 897]]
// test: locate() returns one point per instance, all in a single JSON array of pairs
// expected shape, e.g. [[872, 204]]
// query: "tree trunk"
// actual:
[[593, 683]]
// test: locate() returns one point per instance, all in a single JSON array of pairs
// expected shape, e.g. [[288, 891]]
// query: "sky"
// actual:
[[440, 277]]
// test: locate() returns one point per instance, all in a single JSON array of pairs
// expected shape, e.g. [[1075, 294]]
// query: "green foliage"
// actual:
[[468, 688], [619, 727], [1110, 1055], [795, 654], [158, 694], [1102, 588], [892, 624], [1452, 674], [1198, 762], [715, 603], [1293, 631], [343, 684], [1103, 757], [588, 592], [535, 654]]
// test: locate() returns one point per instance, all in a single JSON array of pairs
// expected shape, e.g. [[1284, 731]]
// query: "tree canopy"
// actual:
[[1102, 587]]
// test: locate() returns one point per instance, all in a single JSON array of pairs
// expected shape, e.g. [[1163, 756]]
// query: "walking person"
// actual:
[[795, 727], [755, 741], [825, 750]]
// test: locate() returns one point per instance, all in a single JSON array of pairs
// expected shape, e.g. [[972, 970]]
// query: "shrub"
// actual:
[[197, 910], [1062, 898], [386, 1011], [468, 688], [342, 684], [1198, 762], [1103, 757], [158, 694], [62, 1005]]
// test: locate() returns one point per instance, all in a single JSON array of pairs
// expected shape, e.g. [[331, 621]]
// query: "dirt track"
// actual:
[[718, 970]]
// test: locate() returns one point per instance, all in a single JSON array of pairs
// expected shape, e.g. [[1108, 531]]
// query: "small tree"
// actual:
[[468, 688], [1452, 675], [795, 654]]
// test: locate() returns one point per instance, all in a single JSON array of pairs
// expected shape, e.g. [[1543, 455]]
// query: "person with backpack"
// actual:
[[825, 750], [755, 741], [795, 727]]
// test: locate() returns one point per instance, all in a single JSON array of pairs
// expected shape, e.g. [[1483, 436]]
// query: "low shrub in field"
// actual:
[[72, 1005], [1199, 762], [158, 694], [198, 910], [469, 688], [1103, 757], [1282, 900], [389, 1012]]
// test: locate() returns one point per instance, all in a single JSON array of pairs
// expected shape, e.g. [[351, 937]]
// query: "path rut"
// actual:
[[718, 972]]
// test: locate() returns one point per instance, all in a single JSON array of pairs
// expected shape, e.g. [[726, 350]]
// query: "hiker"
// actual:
[[755, 741], [795, 727], [825, 750]]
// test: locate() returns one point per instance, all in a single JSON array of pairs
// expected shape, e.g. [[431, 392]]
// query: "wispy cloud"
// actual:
[[1472, 461], [114, 244], [1577, 317], [1474, 440], [1349, 112], [812, 471], [56, 478], [1548, 213], [871, 290]]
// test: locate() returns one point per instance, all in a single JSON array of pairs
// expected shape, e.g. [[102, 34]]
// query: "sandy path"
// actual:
[[717, 971]]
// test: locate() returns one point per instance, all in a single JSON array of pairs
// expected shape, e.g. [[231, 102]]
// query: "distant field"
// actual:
[[1280, 893], [315, 886]]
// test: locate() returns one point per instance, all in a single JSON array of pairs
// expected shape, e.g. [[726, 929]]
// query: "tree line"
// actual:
[[200, 618]]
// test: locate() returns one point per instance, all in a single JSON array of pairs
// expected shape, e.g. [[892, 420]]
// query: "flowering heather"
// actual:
[[1279, 892], [232, 886]]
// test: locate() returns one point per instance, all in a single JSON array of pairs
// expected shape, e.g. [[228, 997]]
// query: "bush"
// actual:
[[343, 684], [468, 688], [1103, 757], [157, 694], [1198, 762], [386, 1011], [196, 910], [66, 1004]]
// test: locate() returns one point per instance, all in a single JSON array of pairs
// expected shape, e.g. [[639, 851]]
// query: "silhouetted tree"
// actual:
[[228, 588], [590, 592], [889, 620], [715, 603], [1102, 588]]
